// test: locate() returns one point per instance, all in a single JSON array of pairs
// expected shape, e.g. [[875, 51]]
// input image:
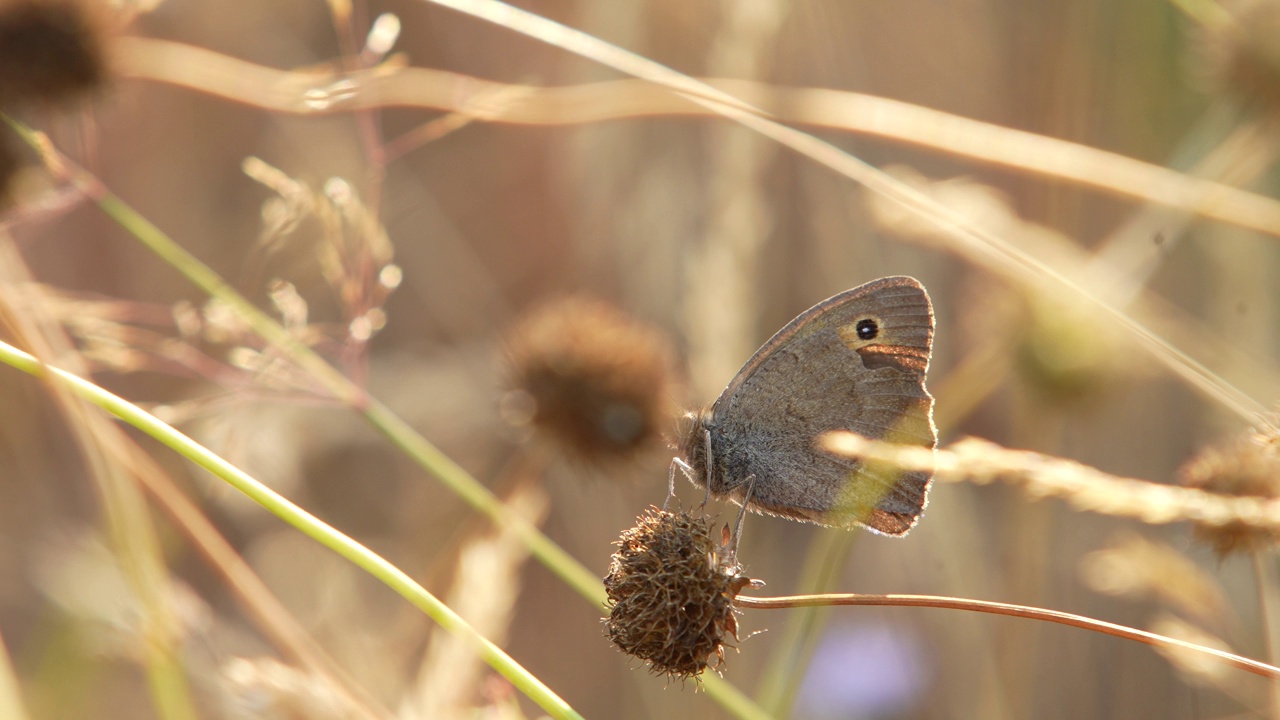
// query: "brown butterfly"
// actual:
[[855, 361]]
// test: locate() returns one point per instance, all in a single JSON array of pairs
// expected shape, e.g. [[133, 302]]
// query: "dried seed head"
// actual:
[[594, 382], [1248, 468], [1241, 55], [50, 51], [671, 594]]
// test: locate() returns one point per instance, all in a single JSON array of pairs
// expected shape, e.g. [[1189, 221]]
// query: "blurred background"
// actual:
[[402, 238]]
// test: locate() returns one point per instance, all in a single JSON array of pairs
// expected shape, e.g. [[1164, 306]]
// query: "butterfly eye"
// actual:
[[867, 329]]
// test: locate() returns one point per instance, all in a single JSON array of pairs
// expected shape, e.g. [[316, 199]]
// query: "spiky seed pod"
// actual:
[[593, 381], [51, 51], [671, 594], [1250, 468]]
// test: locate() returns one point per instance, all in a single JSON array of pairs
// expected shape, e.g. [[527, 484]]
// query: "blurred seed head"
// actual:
[[1197, 667], [979, 204], [1241, 55], [382, 35], [51, 51], [671, 592], [1063, 353], [1249, 467], [87, 579], [1138, 568], [265, 689], [591, 380]]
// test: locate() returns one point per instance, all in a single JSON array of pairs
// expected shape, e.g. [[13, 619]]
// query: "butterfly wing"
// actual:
[[855, 361]]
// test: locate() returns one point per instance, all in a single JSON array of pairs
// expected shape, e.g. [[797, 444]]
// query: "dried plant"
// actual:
[[671, 594], [592, 381], [773, 231], [1246, 468]]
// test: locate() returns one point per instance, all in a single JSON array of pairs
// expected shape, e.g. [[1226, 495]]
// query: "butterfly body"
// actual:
[[855, 361]]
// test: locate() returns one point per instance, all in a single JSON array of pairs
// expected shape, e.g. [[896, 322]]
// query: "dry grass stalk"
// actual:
[[1084, 487], [390, 85], [451, 677], [1135, 567]]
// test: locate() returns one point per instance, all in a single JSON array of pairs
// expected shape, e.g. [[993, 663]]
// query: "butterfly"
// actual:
[[855, 361]]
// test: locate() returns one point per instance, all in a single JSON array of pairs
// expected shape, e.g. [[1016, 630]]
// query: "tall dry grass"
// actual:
[[298, 231]]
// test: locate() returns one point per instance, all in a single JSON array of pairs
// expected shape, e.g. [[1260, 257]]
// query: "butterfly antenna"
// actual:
[[671, 483], [742, 514]]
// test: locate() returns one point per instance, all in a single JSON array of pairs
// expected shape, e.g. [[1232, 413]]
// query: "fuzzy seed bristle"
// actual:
[[1246, 468]]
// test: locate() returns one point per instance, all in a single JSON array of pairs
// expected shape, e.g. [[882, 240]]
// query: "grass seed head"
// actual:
[[1249, 467]]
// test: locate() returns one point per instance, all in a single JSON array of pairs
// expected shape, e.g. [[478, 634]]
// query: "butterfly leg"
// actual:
[[706, 440], [742, 514]]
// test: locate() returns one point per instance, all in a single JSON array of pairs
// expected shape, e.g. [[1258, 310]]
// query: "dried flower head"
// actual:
[[1246, 468], [591, 380], [1241, 54], [50, 51], [671, 593]]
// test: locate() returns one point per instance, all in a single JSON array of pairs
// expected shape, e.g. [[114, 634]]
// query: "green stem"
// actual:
[[426, 455], [353, 551], [396, 429], [790, 661], [127, 519]]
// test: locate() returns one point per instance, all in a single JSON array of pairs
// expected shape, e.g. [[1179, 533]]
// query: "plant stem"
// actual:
[[11, 706], [1269, 609], [1023, 611], [278, 505]]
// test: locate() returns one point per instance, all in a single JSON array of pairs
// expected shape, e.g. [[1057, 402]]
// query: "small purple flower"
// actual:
[[863, 671]]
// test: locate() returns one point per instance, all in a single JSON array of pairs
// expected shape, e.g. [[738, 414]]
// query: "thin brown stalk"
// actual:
[[1022, 611], [994, 252], [1268, 598], [253, 595], [323, 92]]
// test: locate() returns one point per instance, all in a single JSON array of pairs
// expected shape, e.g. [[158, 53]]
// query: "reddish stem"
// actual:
[[1023, 611]]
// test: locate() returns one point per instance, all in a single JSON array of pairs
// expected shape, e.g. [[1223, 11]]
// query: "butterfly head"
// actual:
[[691, 442]]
